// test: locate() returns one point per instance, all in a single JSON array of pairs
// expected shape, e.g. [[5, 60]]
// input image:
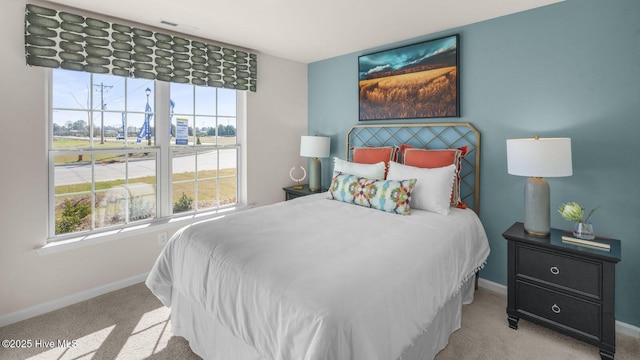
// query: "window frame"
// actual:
[[162, 148]]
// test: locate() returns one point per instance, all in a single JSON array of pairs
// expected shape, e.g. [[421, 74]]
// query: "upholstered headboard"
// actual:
[[428, 136]]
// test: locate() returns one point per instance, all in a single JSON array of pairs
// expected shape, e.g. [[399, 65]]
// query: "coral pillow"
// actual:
[[425, 158], [392, 196], [372, 155]]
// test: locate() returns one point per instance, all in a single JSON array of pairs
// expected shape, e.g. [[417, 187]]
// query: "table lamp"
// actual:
[[537, 158], [315, 147]]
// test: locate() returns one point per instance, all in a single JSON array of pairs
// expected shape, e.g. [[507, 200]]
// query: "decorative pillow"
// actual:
[[432, 191], [372, 155], [392, 196], [425, 158], [371, 171]]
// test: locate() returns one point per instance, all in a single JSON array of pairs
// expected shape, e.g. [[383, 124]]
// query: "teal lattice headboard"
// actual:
[[429, 136]]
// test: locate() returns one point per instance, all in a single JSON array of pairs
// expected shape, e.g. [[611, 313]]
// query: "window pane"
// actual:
[[135, 124], [73, 213], [110, 170], [226, 102], [142, 168], [183, 197], [228, 176], [205, 100], [70, 129], [206, 129], [228, 188], [72, 173], [137, 94], [207, 165], [111, 206], [72, 199], [108, 92], [207, 194], [182, 96], [183, 165], [226, 131], [142, 201], [71, 89], [107, 127], [228, 159]]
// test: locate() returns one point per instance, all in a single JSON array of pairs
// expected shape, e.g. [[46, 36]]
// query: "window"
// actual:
[[126, 151], [204, 175]]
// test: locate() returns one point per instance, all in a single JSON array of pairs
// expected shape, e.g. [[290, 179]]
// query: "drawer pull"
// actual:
[[554, 270], [555, 308]]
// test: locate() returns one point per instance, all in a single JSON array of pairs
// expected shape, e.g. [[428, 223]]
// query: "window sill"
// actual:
[[57, 246]]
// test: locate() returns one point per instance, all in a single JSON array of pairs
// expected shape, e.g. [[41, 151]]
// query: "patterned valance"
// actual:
[[58, 39]]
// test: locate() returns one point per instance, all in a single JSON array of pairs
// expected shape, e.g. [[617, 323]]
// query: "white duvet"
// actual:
[[319, 279]]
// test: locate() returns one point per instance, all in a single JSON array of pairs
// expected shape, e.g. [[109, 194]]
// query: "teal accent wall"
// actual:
[[569, 69]]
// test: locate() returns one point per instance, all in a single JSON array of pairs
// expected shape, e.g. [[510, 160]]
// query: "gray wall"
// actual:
[[570, 69]]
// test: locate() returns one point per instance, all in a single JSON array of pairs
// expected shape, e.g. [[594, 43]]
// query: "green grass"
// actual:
[[105, 185]]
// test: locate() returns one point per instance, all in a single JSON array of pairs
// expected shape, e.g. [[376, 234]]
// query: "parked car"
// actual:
[[120, 136]]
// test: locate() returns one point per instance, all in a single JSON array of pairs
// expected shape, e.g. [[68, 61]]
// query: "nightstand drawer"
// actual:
[[559, 309], [572, 273]]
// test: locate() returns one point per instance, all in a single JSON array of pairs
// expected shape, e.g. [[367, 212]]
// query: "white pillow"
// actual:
[[432, 191], [369, 171]]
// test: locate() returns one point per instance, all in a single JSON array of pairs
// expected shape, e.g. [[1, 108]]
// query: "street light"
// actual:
[[148, 109]]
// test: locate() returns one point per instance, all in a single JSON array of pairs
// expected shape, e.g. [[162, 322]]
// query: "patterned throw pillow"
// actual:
[[392, 196]]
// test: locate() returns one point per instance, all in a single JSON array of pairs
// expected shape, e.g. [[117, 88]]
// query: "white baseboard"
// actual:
[[627, 329], [493, 286], [56, 304], [621, 327]]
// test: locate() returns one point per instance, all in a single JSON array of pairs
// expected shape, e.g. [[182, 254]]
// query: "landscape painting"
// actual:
[[414, 81]]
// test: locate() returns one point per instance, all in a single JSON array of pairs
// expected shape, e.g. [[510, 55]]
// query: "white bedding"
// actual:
[[315, 278]]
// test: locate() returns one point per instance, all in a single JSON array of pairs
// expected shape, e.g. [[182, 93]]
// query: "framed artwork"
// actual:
[[413, 81]]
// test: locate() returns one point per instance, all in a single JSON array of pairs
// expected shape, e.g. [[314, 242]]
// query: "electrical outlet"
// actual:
[[162, 239]]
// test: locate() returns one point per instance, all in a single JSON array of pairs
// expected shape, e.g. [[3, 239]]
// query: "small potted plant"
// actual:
[[572, 211]]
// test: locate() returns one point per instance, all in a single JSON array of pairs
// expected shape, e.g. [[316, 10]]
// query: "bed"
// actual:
[[315, 278]]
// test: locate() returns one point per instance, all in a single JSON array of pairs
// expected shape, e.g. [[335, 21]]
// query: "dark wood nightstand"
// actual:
[[562, 286], [291, 193]]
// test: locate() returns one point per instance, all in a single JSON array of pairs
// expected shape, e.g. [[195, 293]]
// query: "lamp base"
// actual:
[[314, 175], [535, 233], [537, 217]]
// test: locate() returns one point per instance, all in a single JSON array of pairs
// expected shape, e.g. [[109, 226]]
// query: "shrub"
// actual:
[[73, 215], [183, 204]]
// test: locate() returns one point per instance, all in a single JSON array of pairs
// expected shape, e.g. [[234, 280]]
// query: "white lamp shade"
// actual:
[[543, 157], [315, 146]]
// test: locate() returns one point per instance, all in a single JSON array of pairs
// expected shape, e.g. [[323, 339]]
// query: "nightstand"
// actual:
[[291, 193], [562, 286]]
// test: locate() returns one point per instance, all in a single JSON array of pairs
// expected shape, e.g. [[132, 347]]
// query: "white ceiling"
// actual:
[[307, 31]]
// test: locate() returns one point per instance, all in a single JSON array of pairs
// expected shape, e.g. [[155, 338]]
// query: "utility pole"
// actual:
[[102, 107]]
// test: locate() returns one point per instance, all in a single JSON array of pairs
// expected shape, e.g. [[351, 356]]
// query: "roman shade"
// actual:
[[58, 39]]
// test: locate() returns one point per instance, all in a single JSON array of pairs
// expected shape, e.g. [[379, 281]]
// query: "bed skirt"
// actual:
[[212, 341]]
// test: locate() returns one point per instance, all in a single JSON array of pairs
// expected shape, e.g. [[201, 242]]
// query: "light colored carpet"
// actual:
[[131, 324]]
